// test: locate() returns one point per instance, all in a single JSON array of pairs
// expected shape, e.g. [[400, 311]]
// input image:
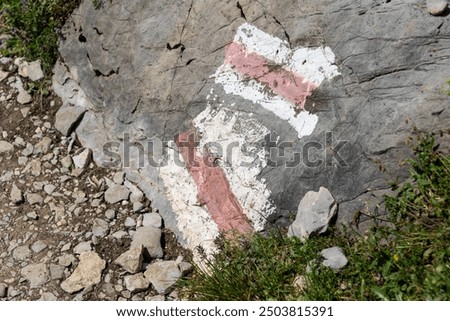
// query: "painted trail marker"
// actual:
[[215, 193]]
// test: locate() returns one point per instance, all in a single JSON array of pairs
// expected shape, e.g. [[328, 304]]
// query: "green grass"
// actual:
[[407, 259], [34, 26]]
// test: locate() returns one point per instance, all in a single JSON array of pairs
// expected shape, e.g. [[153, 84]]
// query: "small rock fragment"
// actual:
[[43, 146], [131, 260], [437, 7], [38, 246], [34, 199], [116, 194], [137, 282], [82, 247], [163, 275], [3, 290], [87, 273], [16, 195], [100, 228], [334, 258], [36, 274], [6, 147], [82, 158], [152, 219]]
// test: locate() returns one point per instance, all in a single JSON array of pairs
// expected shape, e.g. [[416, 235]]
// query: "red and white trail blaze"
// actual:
[[214, 193]]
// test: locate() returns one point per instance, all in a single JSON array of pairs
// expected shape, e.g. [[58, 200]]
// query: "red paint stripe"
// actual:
[[286, 83], [212, 186]]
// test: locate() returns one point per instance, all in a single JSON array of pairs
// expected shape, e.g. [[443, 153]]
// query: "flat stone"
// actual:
[[16, 195], [315, 212], [82, 158], [66, 260], [136, 283], [36, 274], [21, 253], [152, 219], [24, 98], [87, 273], [33, 198], [56, 271], [150, 238], [137, 207], [163, 275], [38, 246], [43, 147], [334, 258], [48, 296], [116, 194], [130, 222], [49, 189], [100, 228], [67, 117], [28, 150], [155, 298], [31, 70], [437, 7], [131, 260], [67, 161], [6, 147], [82, 247]]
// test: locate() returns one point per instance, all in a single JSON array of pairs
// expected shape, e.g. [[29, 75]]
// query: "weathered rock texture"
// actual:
[[143, 69]]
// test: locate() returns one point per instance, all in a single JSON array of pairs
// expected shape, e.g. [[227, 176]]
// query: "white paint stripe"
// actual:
[[193, 219], [226, 128], [315, 65], [233, 83]]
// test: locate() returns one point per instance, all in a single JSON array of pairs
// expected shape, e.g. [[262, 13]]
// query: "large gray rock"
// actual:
[[151, 78], [131, 260], [87, 273], [116, 194], [5, 147], [314, 214], [31, 70]]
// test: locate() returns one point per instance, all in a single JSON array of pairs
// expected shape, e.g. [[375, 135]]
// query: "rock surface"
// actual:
[[389, 56], [36, 274], [87, 273], [131, 260], [150, 238], [116, 194], [6, 147], [315, 212]]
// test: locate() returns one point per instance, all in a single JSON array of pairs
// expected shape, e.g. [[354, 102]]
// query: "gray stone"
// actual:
[[36, 274], [155, 298], [136, 283], [437, 7], [21, 253], [185, 267], [66, 260], [152, 219], [150, 238], [364, 106], [334, 258], [49, 188], [56, 271], [16, 195], [119, 178], [24, 98], [87, 273], [82, 158], [6, 147], [33, 198], [3, 290], [67, 161], [163, 275], [38, 246], [116, 194], [100, 228], [28, 150], [137, 207], [315, 212], [82, 247], [130, 222], [43, 146], [31, 70], [67, 117], [131, 260], [110, 214]]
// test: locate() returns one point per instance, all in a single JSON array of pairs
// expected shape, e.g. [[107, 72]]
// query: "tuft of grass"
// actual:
[[34, 26], [407, 259]]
